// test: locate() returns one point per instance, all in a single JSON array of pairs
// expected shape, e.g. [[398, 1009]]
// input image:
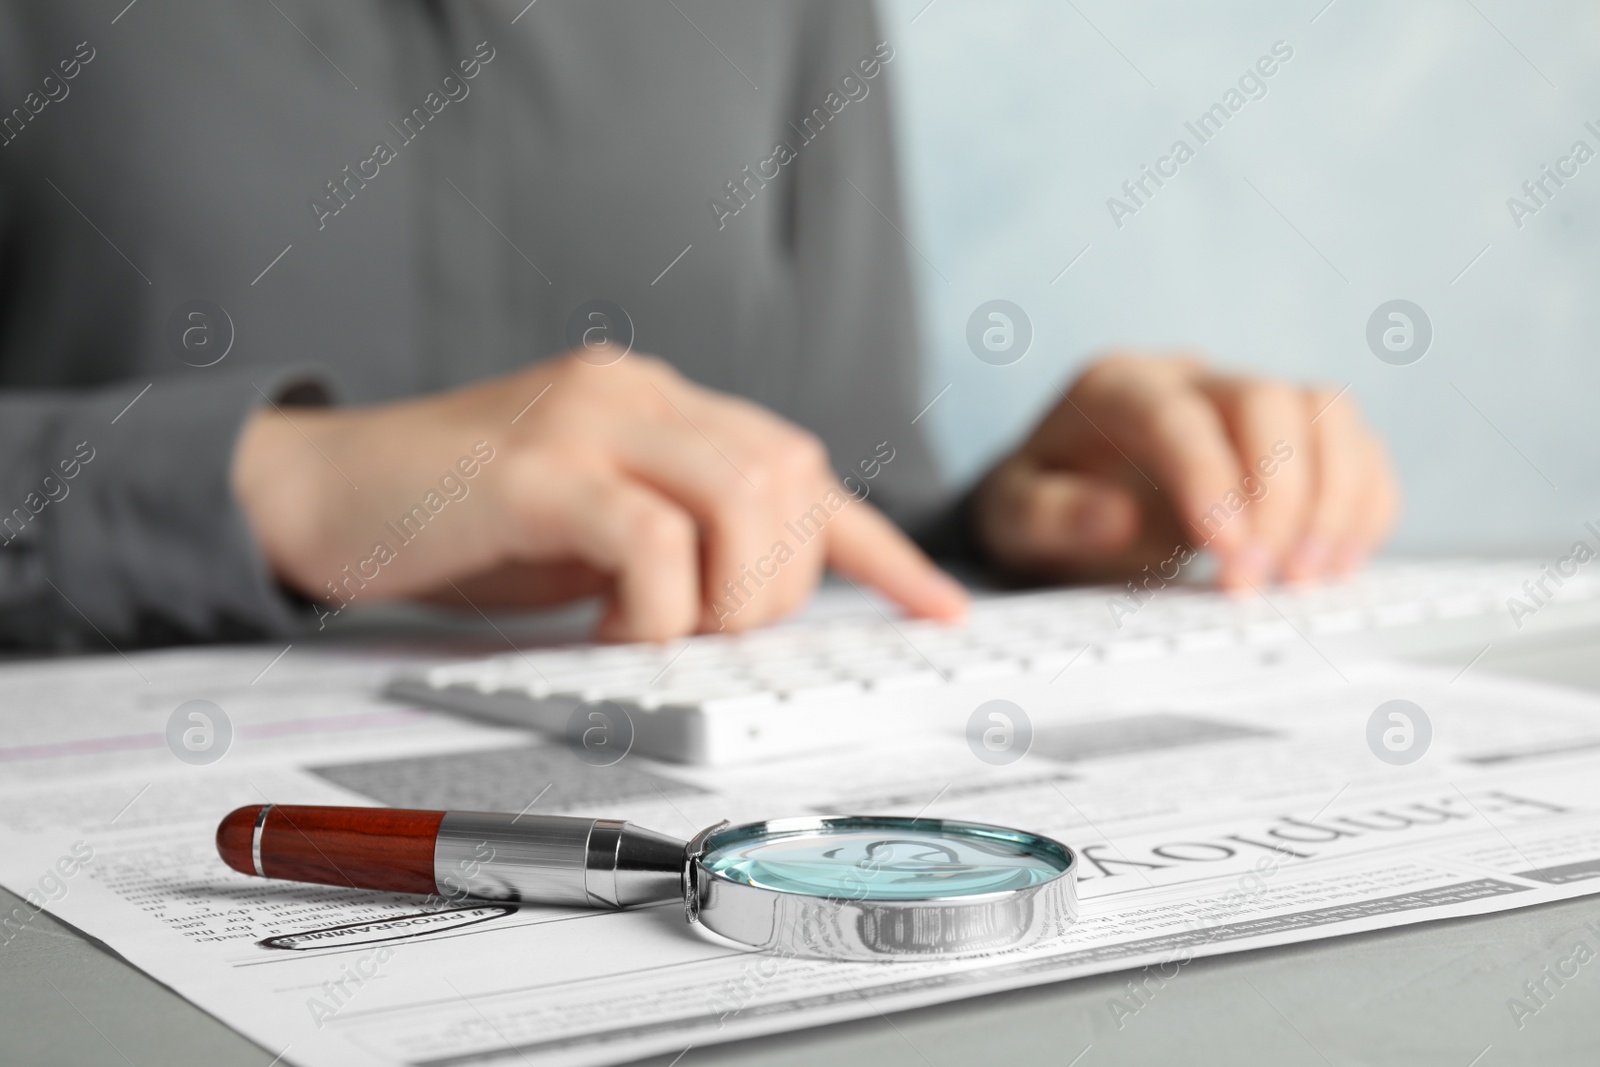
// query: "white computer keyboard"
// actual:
[[716, 698]]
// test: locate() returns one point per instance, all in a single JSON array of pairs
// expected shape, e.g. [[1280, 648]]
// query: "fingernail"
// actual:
[[1309, 559], [1092, 524], [1349, 558], [948, 589], [1254, 562]]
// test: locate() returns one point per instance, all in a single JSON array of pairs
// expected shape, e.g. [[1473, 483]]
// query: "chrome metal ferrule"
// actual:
[[555, 859], [255, 839]]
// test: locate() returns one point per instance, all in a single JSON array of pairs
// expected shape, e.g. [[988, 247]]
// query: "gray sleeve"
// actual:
[[118, 523]]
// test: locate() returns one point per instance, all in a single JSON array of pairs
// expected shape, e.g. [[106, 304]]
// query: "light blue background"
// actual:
[[1391, 141]]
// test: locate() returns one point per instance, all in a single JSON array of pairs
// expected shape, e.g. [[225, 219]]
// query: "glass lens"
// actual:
[[884, 858]]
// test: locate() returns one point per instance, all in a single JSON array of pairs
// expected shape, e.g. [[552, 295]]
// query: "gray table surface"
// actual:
[[1435, 993]]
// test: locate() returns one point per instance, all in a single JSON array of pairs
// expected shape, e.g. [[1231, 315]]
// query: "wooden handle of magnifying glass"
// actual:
[[361, 848]]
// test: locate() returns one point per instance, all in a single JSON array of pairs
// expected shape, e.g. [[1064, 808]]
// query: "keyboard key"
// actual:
[[978, 669], [833, 690], [661, 697], [733, 704], [1275, 631], [1132, 648], [1401, 614], [904, 679], [1347, 620], [1203, 639], [1055, 660]]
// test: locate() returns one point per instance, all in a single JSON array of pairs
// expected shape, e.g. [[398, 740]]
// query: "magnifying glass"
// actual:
[[843, 888]]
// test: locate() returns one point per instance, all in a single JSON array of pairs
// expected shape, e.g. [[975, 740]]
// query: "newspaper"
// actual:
[[1278, 807]]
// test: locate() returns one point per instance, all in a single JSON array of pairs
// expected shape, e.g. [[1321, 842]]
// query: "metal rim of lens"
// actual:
[[803, 924]]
